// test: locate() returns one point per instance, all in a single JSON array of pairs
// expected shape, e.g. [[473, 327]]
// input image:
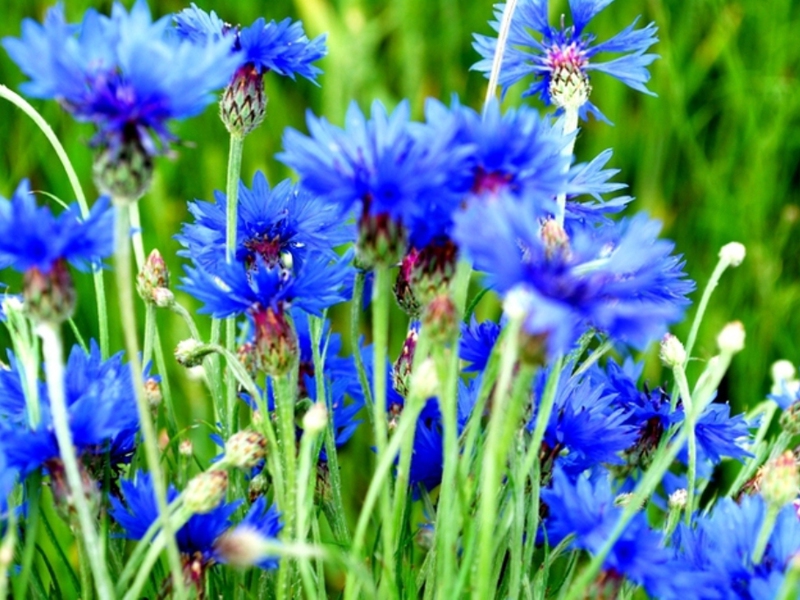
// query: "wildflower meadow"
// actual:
[[359, 299]]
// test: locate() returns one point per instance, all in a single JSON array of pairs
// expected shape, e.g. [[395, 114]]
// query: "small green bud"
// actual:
[[781, 480], [440, 319], [673, 354], [205, 491], [381, 240], [190, 352], [245, 449], [243, 105], [124, 172], [275, 342], [49, 297], [153, 275]]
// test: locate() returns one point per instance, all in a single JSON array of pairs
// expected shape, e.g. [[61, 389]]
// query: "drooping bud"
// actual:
[[673, 354], [275, 342], [205, 491], [569, 84], [401, 370], [731, 339], [733, 253], [49, 297], [123, 171], [245, 449], [243, 105], [781, 480], [381, 240], [190, 352], [153, 275], [440, 319], [315, 420]]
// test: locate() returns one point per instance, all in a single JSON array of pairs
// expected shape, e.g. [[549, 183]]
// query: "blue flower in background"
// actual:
[[562, 59], [100, 403], [272, 222], [281, 47], [476, 343], [31, 237], [263, 521], [127, 74]]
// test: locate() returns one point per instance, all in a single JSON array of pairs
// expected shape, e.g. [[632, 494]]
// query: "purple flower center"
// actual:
[[568, 57]]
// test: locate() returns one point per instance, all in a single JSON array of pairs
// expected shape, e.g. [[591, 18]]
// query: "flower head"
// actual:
[[241, 545], [127, 74], [272, 223], [562, 59]]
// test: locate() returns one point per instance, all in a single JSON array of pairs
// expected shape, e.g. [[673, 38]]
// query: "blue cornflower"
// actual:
[[586, 508], [477, 342], [31, 237], [280, 47], [100, 403], [719, 434], [8, 479], [261, 522], [585, 429], [271, 223], [127, 74], [233, 289], [621, 280], [561, 61], [721, 544]]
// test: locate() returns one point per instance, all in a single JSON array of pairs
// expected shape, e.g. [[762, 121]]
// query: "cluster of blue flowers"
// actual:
[[498, 191]]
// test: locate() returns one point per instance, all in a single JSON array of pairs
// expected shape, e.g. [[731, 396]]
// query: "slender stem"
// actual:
[[380, 339], [305, 501], [701, 308], [765, 532], [149, 441], [355, 335], [691, 416], [231, 222], [72, 176], [285, 389], [790, 589], [497, 61], [570, 125], [54, 369], [491, 472], [33, 485]]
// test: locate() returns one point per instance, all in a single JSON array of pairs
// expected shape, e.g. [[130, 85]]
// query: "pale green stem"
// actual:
[[285, 399], [491, 472], [305, 482], [570, 125], [765, 532], [149, 436], [334, 509], [232, 204], [380, 340], [701, 308], [72, 176], [355, 320], [790, 590], [33, 484], [691, 417], [497, 61], [52, 350]]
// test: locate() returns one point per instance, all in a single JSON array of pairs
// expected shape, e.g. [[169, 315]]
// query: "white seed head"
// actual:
[[733, 253], [782, 370], [731, 339], [188, 354], [673, 354]]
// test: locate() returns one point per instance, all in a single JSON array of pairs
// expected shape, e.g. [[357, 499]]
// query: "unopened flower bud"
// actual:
[[246, 353], [677, 499], [381, 240], [569, 84], [782, 370], [163, 298], [123, 171], [152, 392], [190, 352], [243, 105], [431, 270], [733, 253], [440, 319], [731, 339], [401, 370], [275, 342], [402, 286], [49, 297], [790, 419], [245, 449], [205, 491], [257, 488], [186, 448], [425, 536], [425, 381], [781, 481], [241, 547], [153, 275], [316, 418], [673, 354]]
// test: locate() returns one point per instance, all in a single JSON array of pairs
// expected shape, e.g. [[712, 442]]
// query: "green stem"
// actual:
[[791, 583], [690, 416], [765, 532], [33, 485], [380, 339], [491, 472], [497, 61], [72, 176], [570, 125], [722, 264], [355, 320], [149, 441], [52, 349], [308, 446], [285, 389], [232, 204]]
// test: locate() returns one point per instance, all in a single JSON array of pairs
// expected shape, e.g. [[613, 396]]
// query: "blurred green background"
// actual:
[[716, 156]]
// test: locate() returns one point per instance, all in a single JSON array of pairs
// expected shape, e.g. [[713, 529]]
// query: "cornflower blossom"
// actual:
[[384, 167], [476, 343], [40, 245], [563, 58], [101, 406], [127, 74], [620, 280], [198, 540], [272, 223]]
